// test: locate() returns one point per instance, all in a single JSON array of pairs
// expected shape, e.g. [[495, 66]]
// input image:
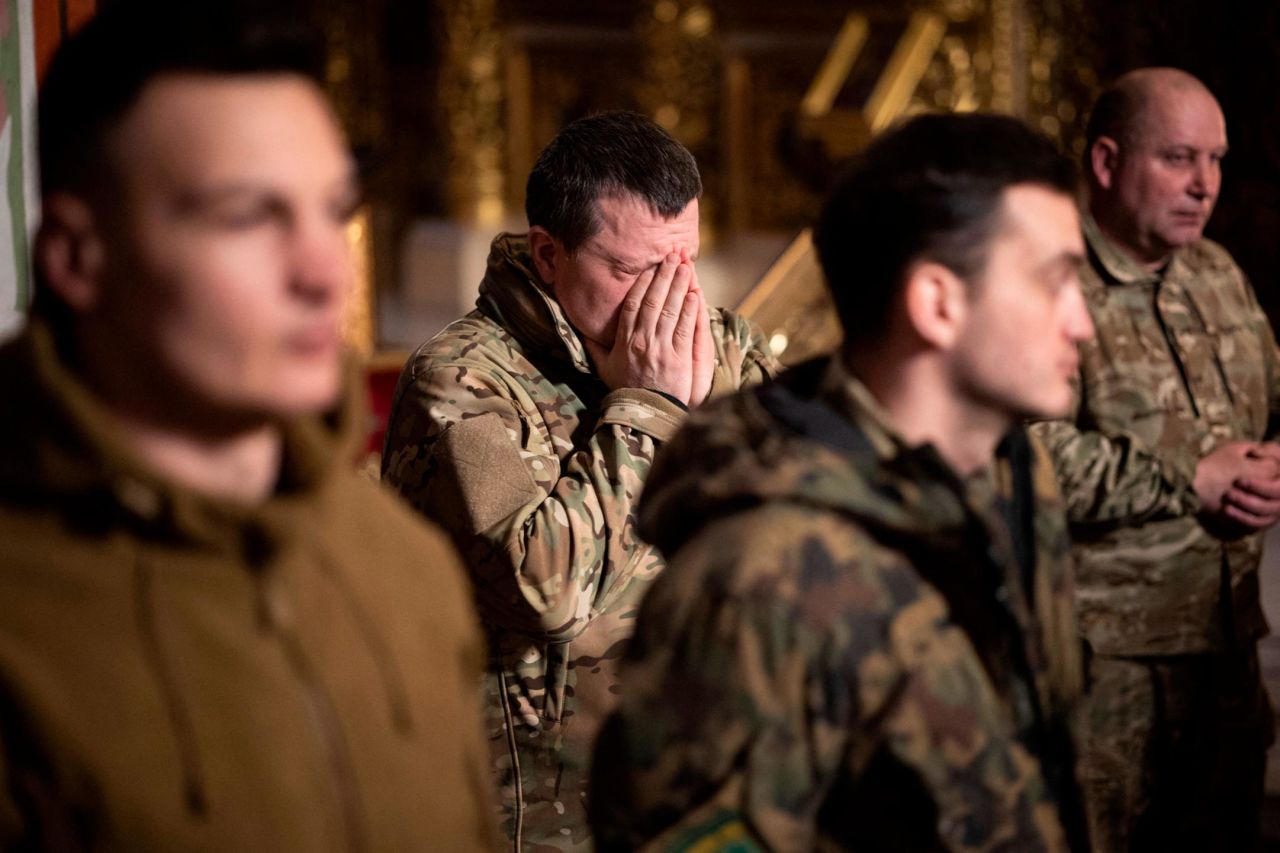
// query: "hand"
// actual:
[[1254, 500], [704, 352], [1239, 482], [657, 326]]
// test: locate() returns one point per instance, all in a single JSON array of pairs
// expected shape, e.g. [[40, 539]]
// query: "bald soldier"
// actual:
[[1167, 481]]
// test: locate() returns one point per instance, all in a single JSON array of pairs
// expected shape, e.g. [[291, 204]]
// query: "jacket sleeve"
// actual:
[[744, 357], [1113, 480], [547, 542]]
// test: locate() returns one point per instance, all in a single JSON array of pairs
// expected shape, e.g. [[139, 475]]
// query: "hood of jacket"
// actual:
[[797, 439], [512, 294], [63, 447]]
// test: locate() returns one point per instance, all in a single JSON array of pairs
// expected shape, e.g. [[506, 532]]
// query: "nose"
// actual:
[[1077, 325], [320, 262], [1205, 177]]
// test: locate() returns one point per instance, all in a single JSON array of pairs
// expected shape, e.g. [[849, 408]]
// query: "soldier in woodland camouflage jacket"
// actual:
[[1166, 482], [846, 652], [505, 432], [866, 638]]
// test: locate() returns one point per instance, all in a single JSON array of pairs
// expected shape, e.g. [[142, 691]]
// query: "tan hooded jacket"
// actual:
[[184, 673]]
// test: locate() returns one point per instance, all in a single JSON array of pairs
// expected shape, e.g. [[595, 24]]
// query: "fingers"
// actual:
[[704, 354], [1246, 518], [672, 312], [684, 336], [1265, 450], [655, 298], [1266, 487], [1259, 505], [632, 305]]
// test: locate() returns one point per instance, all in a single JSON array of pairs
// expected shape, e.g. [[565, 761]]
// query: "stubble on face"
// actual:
[[1167, 176], [1018, 352], [228, 266], [631, 239]]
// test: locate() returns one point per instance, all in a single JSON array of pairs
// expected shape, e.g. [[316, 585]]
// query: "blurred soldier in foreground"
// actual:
[[213, 634], [1166, 484], [528, 427], [865, 638]]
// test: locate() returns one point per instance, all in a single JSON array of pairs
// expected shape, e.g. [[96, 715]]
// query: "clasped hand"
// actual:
[[663, 341], [1239, 483]]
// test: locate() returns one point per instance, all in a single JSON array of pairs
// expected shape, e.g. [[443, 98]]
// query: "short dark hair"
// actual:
[[1115, 115], [930, 189], [100, 72], [604, 155]]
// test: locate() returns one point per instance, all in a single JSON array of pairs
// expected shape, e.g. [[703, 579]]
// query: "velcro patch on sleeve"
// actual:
[[482, 477]]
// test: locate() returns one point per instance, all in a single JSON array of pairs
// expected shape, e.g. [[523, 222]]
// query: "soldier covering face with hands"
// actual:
[[528, 428]]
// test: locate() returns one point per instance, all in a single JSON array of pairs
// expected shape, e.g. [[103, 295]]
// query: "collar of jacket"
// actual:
[[512, 294], [814, 436], [1116, 267], [62, 447]]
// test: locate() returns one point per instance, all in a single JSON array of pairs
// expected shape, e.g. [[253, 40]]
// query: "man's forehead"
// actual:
[[1044, 213], [631, 229], [1179, 115], [220, 128]]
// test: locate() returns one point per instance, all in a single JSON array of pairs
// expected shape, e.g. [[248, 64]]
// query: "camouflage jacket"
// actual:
[[851, 648], [501, 431], [1182, 361]]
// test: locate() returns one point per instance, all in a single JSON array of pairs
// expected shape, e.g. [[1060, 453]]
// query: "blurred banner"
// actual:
[[18, 188]]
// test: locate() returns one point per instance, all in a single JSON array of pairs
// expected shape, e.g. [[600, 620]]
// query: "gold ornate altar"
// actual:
[[770, 97]]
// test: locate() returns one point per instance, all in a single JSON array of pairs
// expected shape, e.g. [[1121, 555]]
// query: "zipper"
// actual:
[[328, 727], [1173, 350], [384, 661], [509, 718], [194, 791]]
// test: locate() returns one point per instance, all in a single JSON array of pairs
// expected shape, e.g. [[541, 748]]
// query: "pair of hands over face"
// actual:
[[663, 341], [1239, 486]]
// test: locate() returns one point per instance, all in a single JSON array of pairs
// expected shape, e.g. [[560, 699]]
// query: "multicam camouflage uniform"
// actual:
[[1183, 360], [501, 431], [851, 647]]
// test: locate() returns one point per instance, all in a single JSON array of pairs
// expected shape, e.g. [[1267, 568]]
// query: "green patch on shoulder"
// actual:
[[723, 832]]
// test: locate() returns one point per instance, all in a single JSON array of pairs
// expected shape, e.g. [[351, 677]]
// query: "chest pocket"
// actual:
[[1132, 384], [1221, 345]]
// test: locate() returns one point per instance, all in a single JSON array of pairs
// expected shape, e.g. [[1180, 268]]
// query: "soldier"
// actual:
[[1166, 484], [214, 634], [865, 637], [528, 427]]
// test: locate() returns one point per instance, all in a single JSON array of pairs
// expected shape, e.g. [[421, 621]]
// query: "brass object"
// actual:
[[960, 55], [792, 306], [836, 67], [473, 99], [902, 74], [358, 326]]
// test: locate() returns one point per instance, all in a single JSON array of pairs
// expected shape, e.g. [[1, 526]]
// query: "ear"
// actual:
[[69, 251], [936, 303], [547, 252], [1104, 160]]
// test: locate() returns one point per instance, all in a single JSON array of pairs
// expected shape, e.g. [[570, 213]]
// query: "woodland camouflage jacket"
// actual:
[[1183, 360], [501, 431], [851, 648]]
